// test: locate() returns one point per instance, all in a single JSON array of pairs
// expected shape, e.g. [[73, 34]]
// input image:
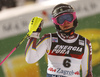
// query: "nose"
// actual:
[[66, 23]]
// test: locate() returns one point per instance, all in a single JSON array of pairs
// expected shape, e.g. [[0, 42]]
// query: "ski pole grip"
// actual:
[[34, 24]]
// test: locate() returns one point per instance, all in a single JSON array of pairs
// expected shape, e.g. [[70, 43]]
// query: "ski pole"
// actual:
[[13, 50], [34, 24]]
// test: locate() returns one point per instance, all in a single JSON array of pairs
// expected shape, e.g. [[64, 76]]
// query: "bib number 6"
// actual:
[[67, 63]]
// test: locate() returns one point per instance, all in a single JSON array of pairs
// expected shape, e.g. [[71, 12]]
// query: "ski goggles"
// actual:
[[69, 17]]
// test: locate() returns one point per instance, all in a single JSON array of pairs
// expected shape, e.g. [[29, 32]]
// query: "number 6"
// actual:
[[67, 63]]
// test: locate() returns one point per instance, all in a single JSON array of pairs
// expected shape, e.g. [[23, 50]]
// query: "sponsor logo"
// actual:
[[77, 73], [65, 49], [90, 48], [54, 39], [81, 42], [52, 69], [63, 72]]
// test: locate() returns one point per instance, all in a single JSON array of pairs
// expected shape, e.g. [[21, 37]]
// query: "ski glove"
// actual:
[[35, 27]]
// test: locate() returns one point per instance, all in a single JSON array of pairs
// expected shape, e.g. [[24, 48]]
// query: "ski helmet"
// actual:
[[60, 9]]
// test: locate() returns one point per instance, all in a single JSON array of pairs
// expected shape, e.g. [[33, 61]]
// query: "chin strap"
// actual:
[[71, 32]]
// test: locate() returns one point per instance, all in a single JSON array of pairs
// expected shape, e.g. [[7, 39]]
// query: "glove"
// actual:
[[36, 34], [35, 27]]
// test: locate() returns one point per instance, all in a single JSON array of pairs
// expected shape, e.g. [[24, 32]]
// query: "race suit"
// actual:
[[65, 54]]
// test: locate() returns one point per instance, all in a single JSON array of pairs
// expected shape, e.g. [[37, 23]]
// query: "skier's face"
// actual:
[[66, 25]]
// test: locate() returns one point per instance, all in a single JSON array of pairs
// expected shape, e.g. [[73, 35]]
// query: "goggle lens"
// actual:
[[69, 17], [66, 17]]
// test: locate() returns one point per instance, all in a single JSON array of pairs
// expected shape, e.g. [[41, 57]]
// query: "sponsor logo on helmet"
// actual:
[[60, 10]]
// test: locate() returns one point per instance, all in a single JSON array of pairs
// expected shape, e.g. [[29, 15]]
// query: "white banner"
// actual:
[[15, 21]]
